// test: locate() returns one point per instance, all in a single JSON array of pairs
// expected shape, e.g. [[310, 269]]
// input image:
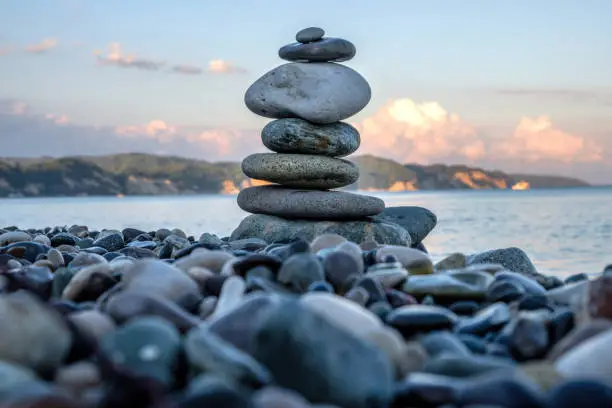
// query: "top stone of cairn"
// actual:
[[311, 46], [309, 34]]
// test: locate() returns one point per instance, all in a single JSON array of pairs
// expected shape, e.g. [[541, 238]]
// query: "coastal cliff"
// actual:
[[144, 174]]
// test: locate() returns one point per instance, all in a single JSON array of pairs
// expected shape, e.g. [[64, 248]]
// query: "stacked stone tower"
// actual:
[[309, 97]]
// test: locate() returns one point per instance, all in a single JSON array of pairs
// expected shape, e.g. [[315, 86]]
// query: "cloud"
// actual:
[[224, 67], [536, 139], [218, 67], [408, 132], [155, 129], [6, 50], [116, 56], [44, 46], [187, 70], [57, 119], [18, 107]]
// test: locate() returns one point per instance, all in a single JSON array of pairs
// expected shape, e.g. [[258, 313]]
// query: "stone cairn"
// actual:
[[308, 98]]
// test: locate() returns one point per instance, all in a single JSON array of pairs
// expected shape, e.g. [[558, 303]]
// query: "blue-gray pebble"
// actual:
[[325, 50], [324, 363], [309, 34], [292, 135]]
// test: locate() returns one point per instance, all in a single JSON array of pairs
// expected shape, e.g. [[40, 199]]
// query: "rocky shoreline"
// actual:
[[137, 318]]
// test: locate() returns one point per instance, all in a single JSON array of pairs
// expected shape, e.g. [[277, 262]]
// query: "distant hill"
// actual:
[[144, 174]]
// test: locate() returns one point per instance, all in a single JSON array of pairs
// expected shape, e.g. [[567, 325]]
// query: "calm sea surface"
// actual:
[[563, 231]]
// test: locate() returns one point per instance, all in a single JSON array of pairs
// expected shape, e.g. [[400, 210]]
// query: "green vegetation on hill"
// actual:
[[144, 174]]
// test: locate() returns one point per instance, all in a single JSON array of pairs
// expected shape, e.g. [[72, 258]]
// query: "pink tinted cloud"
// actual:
[[6, 50], [57, 119], [187, 70], [536, 139], [117, 57], [19, 108], [43, 46], [219, 66], [408, 131]]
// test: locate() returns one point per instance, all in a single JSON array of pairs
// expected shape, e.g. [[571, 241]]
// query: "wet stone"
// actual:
[[576, 278], [339, 268], [465, 307], [509, 392], [299, 271], [418, 221], [298, 136], [576, 393], [436, 343], [427, 390], [504, 291], [491, 318], [531, 286], [397, 298], [210, 353], [111, 242], [126, 306], [526, 336], [148, 346], [64, 238], [414, 319], [465, 366], [308, 364]]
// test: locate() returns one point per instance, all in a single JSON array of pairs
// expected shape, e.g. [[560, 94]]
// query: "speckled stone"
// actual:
[[418, 221], [301, 170], [324, 50], [308, 204], [310, 34], [320, 93], [299, 136], [277, 229], [513, 259]]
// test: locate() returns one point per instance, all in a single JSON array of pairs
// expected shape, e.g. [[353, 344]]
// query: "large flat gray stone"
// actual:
[[301, 170], [277, 229], [308, 204]]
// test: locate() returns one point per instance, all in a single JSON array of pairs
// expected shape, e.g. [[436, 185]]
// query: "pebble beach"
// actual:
[[318, 298], [161, 319]]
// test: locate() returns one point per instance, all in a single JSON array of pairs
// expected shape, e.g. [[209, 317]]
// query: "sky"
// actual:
[[519, 86]]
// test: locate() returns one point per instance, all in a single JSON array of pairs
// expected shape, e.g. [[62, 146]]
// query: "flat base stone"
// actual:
[[276, 229], [308, 204]]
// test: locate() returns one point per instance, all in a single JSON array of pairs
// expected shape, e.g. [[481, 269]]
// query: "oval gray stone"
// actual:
[[309, 34], [325, 50], [418, 221], [301, 170], [302, 137], [320, 93], [277, 229], [308, 204]]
